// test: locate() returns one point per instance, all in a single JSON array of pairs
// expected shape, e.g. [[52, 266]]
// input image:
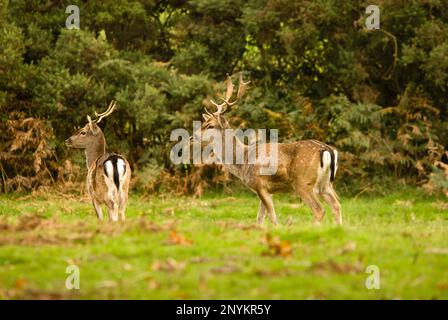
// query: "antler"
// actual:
[[111, 108], [241, 90]]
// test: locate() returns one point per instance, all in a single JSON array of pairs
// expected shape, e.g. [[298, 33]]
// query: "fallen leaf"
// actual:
[[277, 247], [176, 239], [168, 265], [152, 284], [20, 283], [442, 286], [349, 247]]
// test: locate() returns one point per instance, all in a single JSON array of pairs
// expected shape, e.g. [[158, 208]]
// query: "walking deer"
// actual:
[[306, 167], [108, 174]]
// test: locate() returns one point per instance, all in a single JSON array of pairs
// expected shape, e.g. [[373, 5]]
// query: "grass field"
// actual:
[[210, 248]]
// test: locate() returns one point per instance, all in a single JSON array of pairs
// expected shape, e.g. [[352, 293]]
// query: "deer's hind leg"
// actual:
[[98, 209], [122, 210], [331, 198], [306, 193], [261, 213], [112, 210], [122, 207], [112, 200], [123, 199]]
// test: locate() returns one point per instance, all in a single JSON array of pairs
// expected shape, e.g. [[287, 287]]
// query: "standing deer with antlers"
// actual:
[[108, 174], [306, 167]]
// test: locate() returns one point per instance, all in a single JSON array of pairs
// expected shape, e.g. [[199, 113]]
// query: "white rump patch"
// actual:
[[122, 172], [323, 173], [335, 161], [326, 160], [109, 179], [109, 169], [121, 167]]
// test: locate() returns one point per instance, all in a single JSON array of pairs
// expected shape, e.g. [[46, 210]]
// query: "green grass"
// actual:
[[210, 248]]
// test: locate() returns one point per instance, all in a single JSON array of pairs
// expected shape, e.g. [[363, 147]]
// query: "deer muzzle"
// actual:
[[68, 142]]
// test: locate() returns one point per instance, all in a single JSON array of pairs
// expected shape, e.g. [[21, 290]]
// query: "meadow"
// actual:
[[210, 248]]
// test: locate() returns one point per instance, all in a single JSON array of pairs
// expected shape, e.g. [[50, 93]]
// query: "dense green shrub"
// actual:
[[379, 96]]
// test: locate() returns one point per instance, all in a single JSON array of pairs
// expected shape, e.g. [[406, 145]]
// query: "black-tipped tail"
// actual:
[[332, 162], [113, 158]]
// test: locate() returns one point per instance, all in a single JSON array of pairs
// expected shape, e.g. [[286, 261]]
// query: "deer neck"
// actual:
[[237, 169], [95, 150]]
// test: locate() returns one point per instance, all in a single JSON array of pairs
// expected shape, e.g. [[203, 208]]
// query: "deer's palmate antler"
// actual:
[[221, 108], [99, 116]]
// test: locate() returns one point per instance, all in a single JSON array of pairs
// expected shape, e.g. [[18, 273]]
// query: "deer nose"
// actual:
[[68, 142]]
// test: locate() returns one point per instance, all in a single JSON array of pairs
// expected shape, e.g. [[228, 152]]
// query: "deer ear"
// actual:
[[93, 126], [206, 116]]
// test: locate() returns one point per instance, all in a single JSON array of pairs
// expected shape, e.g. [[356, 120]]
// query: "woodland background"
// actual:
[[379, 96]]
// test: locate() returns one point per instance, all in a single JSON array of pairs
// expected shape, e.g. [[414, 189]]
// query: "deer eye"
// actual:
[[83, 133]]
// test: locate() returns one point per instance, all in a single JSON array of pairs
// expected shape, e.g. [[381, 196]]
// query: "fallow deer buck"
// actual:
[[108, 174], [306, 167]]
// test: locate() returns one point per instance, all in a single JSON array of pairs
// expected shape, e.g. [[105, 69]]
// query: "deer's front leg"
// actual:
[[269, 205], [332, 199], [310, 199], [261, 213]]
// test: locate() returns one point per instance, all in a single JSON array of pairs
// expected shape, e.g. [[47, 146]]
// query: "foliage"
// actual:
[[28, 153], [379, 96]]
